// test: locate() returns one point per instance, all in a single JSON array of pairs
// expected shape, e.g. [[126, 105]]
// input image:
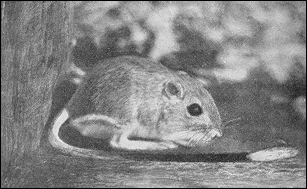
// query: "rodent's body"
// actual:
[[137, 104]]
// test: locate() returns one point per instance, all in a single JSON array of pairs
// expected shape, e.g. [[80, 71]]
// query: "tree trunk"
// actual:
[[34, 50]]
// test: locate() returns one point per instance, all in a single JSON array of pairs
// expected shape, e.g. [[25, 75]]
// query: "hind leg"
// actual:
[[121, 141]]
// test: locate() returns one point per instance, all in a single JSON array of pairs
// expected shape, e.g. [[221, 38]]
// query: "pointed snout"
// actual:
[[216, 132]]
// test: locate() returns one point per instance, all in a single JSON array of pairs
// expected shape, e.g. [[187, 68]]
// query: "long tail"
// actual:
[[58, 143]]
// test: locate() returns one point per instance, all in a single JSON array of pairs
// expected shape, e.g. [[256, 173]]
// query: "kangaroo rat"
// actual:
[[137, 104]]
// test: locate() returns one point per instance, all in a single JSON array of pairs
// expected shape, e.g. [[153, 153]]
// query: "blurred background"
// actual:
[[250, 55]]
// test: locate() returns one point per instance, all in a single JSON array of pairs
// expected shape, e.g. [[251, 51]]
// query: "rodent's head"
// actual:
[[189, 116]]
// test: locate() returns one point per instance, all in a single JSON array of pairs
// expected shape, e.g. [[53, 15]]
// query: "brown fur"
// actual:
[[134, 93]]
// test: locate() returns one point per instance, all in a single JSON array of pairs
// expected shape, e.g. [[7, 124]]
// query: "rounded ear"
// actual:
[[173, 89]]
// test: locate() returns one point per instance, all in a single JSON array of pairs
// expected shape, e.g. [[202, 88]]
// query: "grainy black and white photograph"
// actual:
[[144, 94]]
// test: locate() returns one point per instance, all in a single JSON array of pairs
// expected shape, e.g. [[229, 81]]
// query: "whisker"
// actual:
[[200, 139], [234, 122], [197, 137], [204, 139], [191, 139]]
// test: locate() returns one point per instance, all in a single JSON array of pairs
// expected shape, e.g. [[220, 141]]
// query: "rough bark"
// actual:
[[34, 50]]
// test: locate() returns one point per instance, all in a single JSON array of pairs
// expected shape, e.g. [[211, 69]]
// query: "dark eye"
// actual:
[[195, 109]]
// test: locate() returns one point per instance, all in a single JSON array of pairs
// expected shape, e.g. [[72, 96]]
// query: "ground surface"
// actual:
[[58, 170]]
